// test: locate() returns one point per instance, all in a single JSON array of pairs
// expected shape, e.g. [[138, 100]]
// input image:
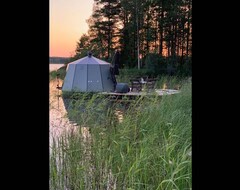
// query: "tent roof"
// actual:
[[89, 60]]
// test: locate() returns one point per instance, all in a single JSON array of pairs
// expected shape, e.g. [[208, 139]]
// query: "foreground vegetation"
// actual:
[[60, 73], [149, 149]]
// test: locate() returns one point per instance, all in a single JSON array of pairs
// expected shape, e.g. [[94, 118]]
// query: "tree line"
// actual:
[[148, 33]]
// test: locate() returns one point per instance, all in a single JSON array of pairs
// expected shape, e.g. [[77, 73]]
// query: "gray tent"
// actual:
[[88, 74]]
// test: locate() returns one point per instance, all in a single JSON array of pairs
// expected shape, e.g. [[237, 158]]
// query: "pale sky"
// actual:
[[66, 25]]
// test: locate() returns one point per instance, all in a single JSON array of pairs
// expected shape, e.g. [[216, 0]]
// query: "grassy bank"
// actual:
[[61, 72], [149, 149]]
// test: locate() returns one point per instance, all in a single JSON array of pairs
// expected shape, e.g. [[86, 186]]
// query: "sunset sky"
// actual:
[[66, 25]]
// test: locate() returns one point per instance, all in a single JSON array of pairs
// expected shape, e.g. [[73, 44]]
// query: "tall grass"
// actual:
[[149, 149]]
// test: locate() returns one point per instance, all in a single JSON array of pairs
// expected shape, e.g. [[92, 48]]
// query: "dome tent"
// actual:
[[88, 74]]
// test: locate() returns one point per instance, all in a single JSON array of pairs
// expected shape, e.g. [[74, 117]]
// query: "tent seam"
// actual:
[[74, 75]]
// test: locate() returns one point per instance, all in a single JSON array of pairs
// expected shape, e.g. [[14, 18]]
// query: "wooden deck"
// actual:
[[159, 92], [133, 95]]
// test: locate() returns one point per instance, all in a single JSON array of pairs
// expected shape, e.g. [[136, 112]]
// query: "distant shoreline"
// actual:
[[56, 63], [58, 60]]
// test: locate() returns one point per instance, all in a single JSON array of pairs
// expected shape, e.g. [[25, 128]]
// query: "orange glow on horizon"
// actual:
[[67, 24]]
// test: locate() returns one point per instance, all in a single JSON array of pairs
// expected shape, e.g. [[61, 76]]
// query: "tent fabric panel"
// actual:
[[92, 61], [94, 83], [68, 81], [88, 74], [80, 78], [80, 61], [98, 61], [89, 60], [107, 82]]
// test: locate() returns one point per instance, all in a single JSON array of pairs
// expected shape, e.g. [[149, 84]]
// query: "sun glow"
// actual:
[[67, 24]]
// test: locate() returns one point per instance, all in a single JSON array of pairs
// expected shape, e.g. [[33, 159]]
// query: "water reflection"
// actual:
[[68, 115], [58, 121], [119, 114]]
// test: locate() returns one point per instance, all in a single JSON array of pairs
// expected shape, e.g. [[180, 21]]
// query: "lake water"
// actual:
[[58, 122], [53, 67]]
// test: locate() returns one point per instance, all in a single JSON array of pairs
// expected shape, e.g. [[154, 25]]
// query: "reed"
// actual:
[[150, 148]]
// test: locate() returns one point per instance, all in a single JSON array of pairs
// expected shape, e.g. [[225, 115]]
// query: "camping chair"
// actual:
[[150, 84], [135, 85]]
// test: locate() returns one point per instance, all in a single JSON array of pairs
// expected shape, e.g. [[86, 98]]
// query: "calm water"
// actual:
[[53, 67]]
